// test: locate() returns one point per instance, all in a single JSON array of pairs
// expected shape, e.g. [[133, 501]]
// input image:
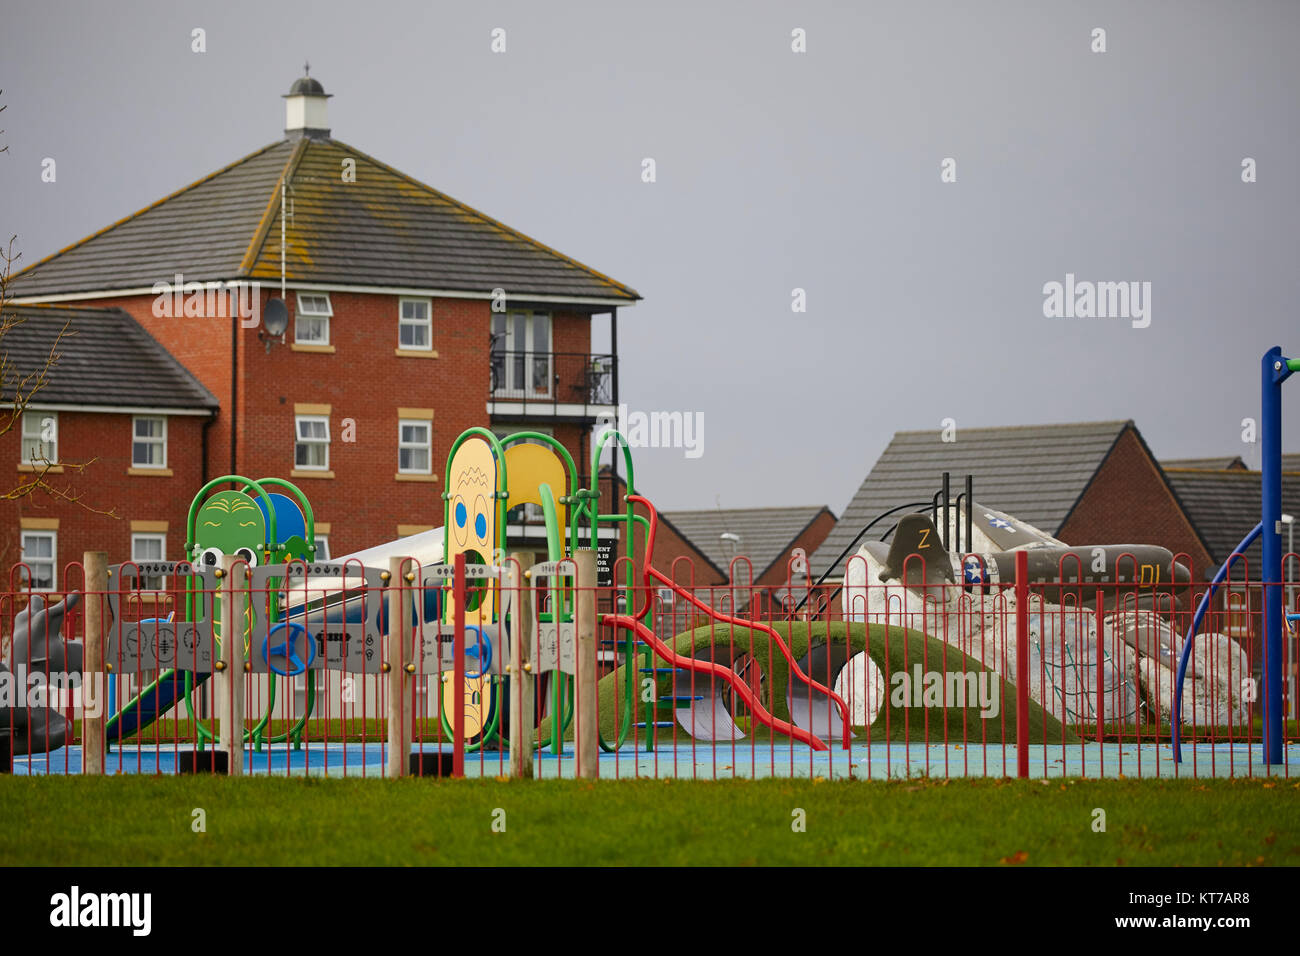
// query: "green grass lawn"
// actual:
[[75, 821]]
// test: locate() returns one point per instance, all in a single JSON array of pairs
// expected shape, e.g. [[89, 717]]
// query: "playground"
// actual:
[[943, 653]]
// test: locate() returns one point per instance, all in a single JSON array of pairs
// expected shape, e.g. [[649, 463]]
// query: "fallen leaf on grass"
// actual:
[[1020, 856]]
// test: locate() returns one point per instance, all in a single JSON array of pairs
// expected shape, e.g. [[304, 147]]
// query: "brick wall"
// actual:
[[364, 383], [106, 484], [1128, 502], [674, 554], [202, 345], [810, 539]]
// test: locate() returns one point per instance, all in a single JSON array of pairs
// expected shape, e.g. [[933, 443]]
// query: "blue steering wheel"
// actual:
[[482, 650], [286, 649]]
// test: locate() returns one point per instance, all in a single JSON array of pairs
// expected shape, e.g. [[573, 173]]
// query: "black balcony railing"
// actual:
[[551, 379]]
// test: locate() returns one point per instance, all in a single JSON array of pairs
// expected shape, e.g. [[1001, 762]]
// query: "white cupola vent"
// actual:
[[305, 112]]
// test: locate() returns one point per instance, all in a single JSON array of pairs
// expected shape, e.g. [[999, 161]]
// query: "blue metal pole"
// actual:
[[1274, 371], [1201, 608]]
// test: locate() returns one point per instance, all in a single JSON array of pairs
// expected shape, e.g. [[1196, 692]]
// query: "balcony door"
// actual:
[[521, 355]]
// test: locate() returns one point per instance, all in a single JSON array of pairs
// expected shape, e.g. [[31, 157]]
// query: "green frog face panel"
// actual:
[[230, 522]]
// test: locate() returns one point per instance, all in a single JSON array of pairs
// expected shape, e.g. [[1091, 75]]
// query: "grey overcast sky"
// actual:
[[776, 170]]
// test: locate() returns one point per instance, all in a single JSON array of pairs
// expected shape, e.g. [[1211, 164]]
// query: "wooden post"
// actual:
[[399, 676], [94, 681], [587, 731], [522, 681], [234, 577]]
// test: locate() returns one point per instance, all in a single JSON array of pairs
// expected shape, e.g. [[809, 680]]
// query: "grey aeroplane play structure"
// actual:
[[964, 599]]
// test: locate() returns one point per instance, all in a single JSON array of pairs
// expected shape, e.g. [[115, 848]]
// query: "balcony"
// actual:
[[553, 385]]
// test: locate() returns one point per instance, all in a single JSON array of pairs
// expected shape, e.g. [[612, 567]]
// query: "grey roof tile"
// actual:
[[1225, 505], [765, 533], [1222, 463], [1035, 472], [384, 229], [105, 358]]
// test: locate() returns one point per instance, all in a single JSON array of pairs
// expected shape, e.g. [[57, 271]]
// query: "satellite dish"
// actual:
[[275, 317]]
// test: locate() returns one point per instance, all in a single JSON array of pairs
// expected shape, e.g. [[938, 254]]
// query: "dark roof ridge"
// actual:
[[1116, 422], [273, 204], [700, 511]]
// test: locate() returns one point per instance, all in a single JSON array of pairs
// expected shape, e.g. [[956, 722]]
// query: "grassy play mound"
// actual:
[[895, 651]]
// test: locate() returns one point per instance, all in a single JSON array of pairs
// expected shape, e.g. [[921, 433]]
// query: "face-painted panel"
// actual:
[[227, 522], [479, 695], [472, 482]]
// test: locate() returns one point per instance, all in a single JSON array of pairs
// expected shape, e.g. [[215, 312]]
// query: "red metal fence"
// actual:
[[860, 679]]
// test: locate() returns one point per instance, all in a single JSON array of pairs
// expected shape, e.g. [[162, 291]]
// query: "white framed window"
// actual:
[[40, 438], [521, 354], [147, 548], [312, 442], [149, 441], [40, 552], [322, 547], [311, 325], [414, 447], [415, 325]]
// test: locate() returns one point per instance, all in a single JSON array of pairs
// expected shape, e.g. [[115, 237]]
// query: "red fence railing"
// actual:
[[671, 679]]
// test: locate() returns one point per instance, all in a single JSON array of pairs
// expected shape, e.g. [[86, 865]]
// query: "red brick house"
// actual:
[[117, 435], [756, 546], [1222, 498], [759, 541], [411, 317], [1082, 482], [675, 554]]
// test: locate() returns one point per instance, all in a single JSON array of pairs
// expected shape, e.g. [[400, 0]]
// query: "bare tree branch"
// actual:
[[18, 388]]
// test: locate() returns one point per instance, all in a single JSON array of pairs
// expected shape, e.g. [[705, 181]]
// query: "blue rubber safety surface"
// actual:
[[724, 761]]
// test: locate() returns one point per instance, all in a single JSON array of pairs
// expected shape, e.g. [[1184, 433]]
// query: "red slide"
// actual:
[[717, 670], [709, 667]]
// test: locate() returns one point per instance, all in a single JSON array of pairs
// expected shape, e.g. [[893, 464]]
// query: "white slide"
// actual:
[[425, 547]]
